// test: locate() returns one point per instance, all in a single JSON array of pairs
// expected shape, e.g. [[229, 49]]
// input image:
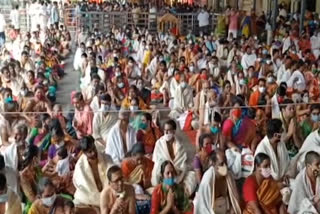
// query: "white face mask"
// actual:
[[262, 89], [60, 144], [170, 72], [305, 99], [140, 86], [48, 201], [134, 108], [183, 85], [4, 198], [168, 137], [191, 68], [104, 108], [270, 80]]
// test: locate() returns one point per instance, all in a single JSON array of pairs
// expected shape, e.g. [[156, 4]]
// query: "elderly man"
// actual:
[[13, 155], [89, 175], [272, 146], [117, 197], [9, 202], [121, 138], [305, 196], [217, 191], [103, 121], [169, 148]]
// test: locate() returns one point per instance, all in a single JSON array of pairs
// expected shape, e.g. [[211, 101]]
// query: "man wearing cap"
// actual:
[[121, 138]]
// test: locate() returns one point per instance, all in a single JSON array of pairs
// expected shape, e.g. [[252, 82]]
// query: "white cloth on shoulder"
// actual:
[[302, 196], [279, 162]]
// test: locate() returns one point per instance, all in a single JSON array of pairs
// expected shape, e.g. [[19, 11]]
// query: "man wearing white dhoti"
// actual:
[[103, 121], [169, 148], [217, 192], [121, 138], [89, 175], [272, 146], [305, 197]]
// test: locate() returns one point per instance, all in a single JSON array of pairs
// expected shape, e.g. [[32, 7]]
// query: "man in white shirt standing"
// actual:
[[2, 29], [15, 18], [203, 18]]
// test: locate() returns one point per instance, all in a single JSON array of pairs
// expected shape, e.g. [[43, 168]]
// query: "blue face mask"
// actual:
[[8, 100], [214, 130], [314, 118], [168, 181]]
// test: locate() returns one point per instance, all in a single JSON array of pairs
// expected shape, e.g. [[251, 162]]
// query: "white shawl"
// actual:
[[301, 200], [183, 100], [275, 107], [161, 154], [87, 192], [279, 162], [11, 156], [248, 60], [115, 145], [204, 203], [311, 143]]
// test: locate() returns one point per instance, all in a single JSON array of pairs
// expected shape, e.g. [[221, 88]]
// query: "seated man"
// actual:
[[305, 194], [117, 197], [217, 183], [169, 148], [272, 146], [103, 121], [89, 175], [121, 138], [13, 155], [48, 199], [11, 203]]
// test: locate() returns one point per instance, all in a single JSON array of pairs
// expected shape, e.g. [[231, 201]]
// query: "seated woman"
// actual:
[[201, 159], [168, 197], [148, 133], [30, 175], [48, 201], [136, 168], [126, 103], [41, 132], [39, 103], [260, 192]]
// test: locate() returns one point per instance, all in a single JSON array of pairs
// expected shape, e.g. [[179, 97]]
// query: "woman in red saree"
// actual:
[[260, 192], [137, 169], [148, 134]]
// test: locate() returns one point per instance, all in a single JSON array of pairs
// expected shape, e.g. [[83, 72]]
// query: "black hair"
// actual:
[[2, 163], [105, 97], [148, 116], [285, 103], [314, 106], [259, 158], [201, 139], [112, 170], [69, 203], [42, 184], [137, 148], [31, 152], [3, 182], [62, 152], [86, 143], [251, 113], [311, 156], [273, 126], [163, 166], [55, 128], [217, 117], [171, 123]]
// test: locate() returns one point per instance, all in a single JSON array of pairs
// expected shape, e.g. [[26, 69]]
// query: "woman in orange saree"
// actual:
[[260, 192], [137, 169], [148, 134]]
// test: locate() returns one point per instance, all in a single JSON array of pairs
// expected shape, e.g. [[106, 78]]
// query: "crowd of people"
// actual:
[[249, 110]]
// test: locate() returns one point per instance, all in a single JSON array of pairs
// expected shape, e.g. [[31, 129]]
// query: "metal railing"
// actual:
[[24, 17], [104, 21]]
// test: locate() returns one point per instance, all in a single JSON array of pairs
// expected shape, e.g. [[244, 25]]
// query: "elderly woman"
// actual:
[[260, 192], [169, 197]]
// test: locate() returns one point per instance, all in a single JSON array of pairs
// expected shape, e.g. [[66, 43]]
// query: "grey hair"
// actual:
[[43, 183], [22, 128]]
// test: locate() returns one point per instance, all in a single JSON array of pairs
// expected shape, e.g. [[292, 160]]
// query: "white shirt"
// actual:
[[203, 18], [15, 18], [2, 23], [248, 60], [297, 81]]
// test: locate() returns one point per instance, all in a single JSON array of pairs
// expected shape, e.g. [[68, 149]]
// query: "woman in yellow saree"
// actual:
[[137, 169], [260, 192]]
